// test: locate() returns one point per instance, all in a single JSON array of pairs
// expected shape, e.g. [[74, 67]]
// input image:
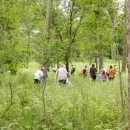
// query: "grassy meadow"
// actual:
[[86, 105]]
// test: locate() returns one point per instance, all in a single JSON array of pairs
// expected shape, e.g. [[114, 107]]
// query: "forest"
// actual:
[[78, 32]]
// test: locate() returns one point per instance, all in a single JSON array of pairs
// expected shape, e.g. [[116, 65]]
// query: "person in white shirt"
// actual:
[[38, 76], [61, 74], [102, 69]]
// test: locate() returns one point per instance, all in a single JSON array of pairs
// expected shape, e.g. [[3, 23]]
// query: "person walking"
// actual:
[[104, 76], [85, 71], [61, 74], [93, 72], [111, 72], [72, 70], [38, 76]]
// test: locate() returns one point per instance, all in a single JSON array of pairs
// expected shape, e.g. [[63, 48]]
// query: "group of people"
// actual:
[[103, 75], [62, 76]]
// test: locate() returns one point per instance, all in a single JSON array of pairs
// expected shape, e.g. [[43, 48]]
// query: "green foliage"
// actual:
[[12, 49], [75, 30], [78, 30]]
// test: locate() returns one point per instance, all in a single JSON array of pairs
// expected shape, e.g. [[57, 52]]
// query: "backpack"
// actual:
[[111, 73]]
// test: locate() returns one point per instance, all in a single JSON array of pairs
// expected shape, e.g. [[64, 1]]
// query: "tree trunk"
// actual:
[[48, 23], [124, 59], [100, 52], [113, 52], [96, 61], [67, 62], [128, 43], [90, 60], [100, 58], [121, 86], [48, 17]]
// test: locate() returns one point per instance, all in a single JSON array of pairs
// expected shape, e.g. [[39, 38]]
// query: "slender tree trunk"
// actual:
[[90, 60], [48, 23], [96, 61], [100, 49], [121, 86], [124, 59], [48, 17], [67, 62], [128, 43], [100, 58], [113, 52]]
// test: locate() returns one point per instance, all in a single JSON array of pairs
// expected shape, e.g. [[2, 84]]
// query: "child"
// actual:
[[85, 72], [99, 77], [104, 76]]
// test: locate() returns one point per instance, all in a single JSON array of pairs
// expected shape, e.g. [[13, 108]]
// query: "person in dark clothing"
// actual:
[[72, 70], [93, 72]]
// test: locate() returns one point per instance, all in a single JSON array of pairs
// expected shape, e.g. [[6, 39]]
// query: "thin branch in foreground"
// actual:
[[52, 113], [11, 102]]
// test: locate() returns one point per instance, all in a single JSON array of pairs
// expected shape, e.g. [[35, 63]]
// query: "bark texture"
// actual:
[[128, 43], [124, 60]]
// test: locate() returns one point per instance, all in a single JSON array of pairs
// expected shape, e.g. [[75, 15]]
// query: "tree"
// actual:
[[128, 42], [124, 59], [66, 29], [13, 53], [100, 25]]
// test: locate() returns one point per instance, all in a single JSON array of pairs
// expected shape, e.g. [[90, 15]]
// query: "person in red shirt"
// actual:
[[85, 72]]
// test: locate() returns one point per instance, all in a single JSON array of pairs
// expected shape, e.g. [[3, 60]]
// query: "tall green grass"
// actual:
[[86, 105]]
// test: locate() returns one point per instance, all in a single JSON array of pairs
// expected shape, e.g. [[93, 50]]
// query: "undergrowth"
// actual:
[[86, 105]]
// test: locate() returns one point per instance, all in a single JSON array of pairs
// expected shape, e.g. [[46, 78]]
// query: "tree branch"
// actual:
[[71, 18], [11, 102], [52, 113], [78, 25]]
